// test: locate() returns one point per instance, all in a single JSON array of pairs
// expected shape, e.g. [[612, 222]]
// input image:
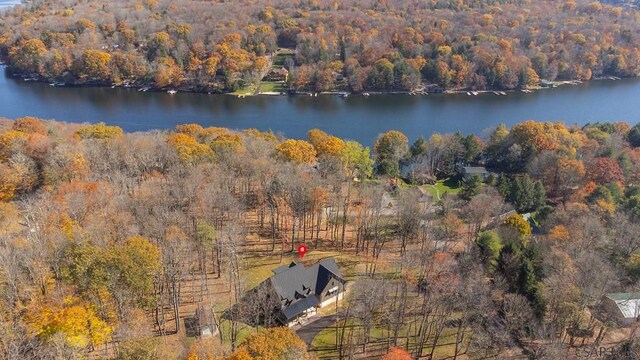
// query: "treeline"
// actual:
[[106, 237], [352, 45]]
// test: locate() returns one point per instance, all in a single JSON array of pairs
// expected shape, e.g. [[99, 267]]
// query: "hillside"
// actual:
[[346, 45], [109, 240]]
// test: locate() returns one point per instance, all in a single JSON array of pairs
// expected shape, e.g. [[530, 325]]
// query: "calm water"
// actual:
[[355, 117], [8, 3]]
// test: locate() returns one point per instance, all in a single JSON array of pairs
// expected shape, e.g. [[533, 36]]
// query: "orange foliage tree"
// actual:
[[274, 343], [396, 354], [29, 125]]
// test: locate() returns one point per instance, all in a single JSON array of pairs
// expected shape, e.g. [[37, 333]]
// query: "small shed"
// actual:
[[205, 321], [624, 308]]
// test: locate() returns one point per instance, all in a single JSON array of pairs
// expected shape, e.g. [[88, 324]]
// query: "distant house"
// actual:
[[416, 174], [497, 220], [278, 74], [623, 308], [293, 293], [469, 171], [547, 83]]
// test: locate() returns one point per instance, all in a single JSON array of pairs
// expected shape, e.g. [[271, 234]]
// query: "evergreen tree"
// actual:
[[490, 245], [634, 136], [470, 187]]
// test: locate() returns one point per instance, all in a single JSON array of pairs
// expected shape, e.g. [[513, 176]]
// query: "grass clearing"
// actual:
[[442, 187], [279, 59], [324, 344], [247, 90], [271, 86], [259, 267], [244, 330]]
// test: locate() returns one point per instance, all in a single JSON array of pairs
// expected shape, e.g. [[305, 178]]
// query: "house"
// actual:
[[623, 308], [547, 84], [292, 294], [280, 74], [469, 171]]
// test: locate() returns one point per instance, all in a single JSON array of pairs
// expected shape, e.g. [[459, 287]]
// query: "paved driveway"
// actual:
[[311, 329]]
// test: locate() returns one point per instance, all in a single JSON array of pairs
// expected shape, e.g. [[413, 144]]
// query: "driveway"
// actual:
[[311, 329]]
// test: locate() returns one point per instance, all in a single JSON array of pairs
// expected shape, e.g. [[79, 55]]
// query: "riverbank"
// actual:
[[421, 91], [255, 89]]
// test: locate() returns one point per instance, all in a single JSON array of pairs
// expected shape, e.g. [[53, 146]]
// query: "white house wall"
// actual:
[[332, 300]]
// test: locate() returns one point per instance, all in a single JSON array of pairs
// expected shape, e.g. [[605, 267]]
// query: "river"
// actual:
[[356, 117], [4, 4]]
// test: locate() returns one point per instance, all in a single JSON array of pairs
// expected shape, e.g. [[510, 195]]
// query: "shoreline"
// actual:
[[544, 84]]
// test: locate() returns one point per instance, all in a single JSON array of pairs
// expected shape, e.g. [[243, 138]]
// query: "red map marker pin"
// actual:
[[302, 249]]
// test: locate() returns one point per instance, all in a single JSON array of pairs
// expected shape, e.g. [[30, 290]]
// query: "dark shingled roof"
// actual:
[[475, 170], [300, 306], [297, 285]]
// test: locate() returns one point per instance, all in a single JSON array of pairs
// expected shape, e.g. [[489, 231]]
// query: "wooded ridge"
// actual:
[[347, 45]]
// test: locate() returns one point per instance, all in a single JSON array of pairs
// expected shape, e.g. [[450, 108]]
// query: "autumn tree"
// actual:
[[298, 151], [73, 319], [634, 136], [28, 55], [356, 160], [99, 131], [188, 148], [389, 149], [604, 171], [94, 65], [273, 343], [396, 354]]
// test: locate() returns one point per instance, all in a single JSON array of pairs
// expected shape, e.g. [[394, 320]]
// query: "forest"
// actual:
[[110, 241], [337, 45]]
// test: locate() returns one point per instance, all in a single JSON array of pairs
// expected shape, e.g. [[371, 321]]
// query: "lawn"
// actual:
[[442, 187], [271, 86], [324, 343], [247, 90], [244, 330], [259, 266], [280, 58]]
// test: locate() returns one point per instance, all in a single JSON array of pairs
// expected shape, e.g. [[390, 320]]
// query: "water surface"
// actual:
[[356, 117]]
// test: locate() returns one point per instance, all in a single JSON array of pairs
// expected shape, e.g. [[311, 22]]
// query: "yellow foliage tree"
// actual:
[[8, 183], [28, 55], [331, 146], [316, 136], [8, 141], [193, 130], [518, 223], [227, 142], [299, 151], [72, 318], [548, 136], [188, 148], [268, 136], [94, 65], [99, 131]]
